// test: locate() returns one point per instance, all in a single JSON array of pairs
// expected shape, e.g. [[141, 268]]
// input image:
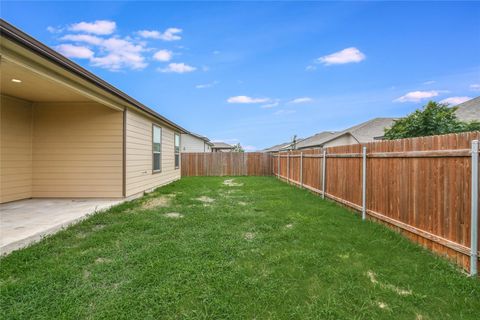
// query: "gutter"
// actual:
[[10, 32]]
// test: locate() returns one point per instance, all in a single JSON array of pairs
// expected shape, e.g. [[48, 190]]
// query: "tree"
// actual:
[[238, 148], [434, 118]]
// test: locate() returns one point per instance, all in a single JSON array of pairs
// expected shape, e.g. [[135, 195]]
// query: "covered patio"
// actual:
[[61, 146], [23, 222]]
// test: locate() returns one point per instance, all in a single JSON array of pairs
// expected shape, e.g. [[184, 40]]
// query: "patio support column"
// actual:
[[474, 211]]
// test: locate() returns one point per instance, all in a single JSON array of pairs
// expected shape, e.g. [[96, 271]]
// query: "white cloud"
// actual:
[[310, 68], [270, 105], [54, 29], [206, 85], [283, 112], [246, 99], [100, 27], [348, 55], [163, 55], [455, 100], [121, 53], [475, 87], [71, 51], [178, 68], [98, 42], [429, 82], [416, 96], [87, 38], [112, 53], [149, 34], [171, 34], [301, 100]]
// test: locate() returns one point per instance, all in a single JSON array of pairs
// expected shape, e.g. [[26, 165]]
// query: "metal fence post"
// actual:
[[364, 183], [288, 167], [324, 166], [474, 211], [301, 169]]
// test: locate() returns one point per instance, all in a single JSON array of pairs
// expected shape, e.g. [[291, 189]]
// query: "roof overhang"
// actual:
[[21, 49]]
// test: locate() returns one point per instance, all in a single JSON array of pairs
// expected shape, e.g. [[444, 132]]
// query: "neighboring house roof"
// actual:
[[469, 110], [289, 145], [9, 31], [277, 147], [207, 141], [317, 139], [221, 145], [364, 132]]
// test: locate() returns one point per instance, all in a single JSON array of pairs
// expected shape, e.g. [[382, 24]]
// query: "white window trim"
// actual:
[[153, 148]]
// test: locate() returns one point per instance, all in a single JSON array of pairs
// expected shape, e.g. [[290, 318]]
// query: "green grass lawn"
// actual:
[[255, 249]]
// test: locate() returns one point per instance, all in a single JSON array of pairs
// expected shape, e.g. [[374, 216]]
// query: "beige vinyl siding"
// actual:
[[15, 149], [139, 173], [77, 150]]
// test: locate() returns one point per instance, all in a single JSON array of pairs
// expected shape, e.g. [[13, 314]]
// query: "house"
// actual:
[[469, 110], [362, 133], [65, 133], [192, 142], [219, 146], [276, 148]]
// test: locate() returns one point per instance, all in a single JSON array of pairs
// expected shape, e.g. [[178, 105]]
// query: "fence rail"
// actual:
[[226, 164], [421, 187]]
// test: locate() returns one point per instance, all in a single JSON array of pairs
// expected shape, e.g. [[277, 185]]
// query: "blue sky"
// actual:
[[259, 72]]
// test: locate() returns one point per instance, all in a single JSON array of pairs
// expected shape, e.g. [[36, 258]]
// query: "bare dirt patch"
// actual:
[[86, 274], [160, 201], [174, 215], [102, 260], [231, 183], [98, 227], [373, 279], [81, 235], [249, 235], [205, 199], [382, 305]]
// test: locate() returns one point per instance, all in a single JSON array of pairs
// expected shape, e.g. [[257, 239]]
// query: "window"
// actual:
[[157, 149], [177, 151]]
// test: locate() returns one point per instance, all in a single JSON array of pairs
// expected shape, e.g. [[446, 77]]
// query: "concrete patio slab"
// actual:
[[26, 221]]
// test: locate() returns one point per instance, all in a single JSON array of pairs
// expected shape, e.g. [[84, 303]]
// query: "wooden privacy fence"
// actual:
[[426, 188], [226, 164]]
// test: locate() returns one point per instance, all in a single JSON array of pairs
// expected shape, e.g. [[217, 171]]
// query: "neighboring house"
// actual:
[[221, 147], [192, 142], [276, 148], [469, 110], [365, 132], [65, 133]]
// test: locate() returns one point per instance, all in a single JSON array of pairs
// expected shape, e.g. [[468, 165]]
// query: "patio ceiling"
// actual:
[[33, 86]]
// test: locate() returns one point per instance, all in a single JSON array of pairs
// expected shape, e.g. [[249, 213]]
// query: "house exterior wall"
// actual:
[[77, 150], [139, 174], [193, 144], [15, 149]]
